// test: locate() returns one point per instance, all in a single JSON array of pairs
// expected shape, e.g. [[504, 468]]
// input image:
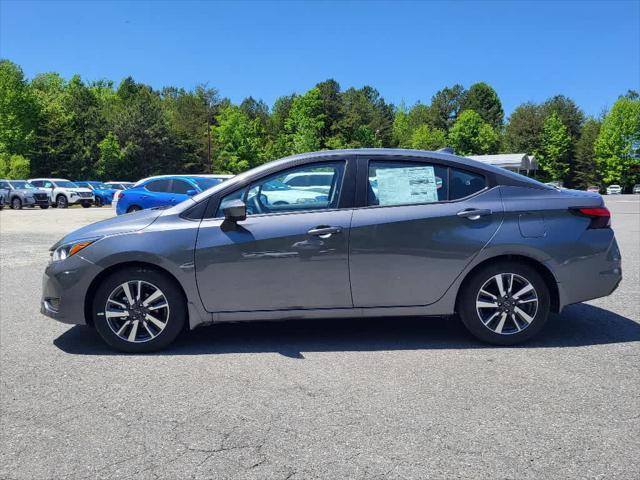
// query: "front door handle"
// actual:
[[324, 231], [474, 213]]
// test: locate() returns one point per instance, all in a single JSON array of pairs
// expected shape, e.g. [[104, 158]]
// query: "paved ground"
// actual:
[[392, 398]]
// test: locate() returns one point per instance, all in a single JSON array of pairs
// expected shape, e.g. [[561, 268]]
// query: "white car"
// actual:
[[315, 181], [63, 193], [614, 190], [276, 192]]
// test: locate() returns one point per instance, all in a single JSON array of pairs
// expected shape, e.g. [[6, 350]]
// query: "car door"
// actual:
[[290, 252], [156, 193], [421, 224], [179, 189]]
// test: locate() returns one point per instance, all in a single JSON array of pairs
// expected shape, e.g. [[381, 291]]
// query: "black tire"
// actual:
[[61, 201], [85, 205], [98, 203], [44, 207], [175, 321], [516, 328], [16, 203], [134, 208]]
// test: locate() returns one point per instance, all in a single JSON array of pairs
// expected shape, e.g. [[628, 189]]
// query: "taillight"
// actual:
[[600, 216]]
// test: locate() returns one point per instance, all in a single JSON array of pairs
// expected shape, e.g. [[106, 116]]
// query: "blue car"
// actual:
[[164, 190], [103, 193]]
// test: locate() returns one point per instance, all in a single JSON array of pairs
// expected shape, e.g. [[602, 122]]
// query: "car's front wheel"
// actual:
[[504, 303], [16, 203], [139, 310], [98, 202], [62, 202]]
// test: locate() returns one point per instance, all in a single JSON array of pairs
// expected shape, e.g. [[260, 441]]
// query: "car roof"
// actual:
[[51, 179], [188, 176]]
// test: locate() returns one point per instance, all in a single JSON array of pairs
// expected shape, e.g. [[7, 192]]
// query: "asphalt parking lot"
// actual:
[[384, 398]]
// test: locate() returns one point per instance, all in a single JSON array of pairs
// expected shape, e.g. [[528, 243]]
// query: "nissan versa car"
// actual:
[[438, 235]]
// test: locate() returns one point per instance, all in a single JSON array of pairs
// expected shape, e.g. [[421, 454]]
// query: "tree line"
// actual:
[[50, 126]]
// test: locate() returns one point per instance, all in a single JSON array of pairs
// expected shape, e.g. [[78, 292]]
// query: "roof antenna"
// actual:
[[447, 150]]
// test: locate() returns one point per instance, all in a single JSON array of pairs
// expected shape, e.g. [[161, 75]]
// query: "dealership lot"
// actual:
[[378, 398]]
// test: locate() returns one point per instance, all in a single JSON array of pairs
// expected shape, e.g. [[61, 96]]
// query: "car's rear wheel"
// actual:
[[504, 303], [62, 202], [133, 208], [139, 310], [16, 203], [44, 207]]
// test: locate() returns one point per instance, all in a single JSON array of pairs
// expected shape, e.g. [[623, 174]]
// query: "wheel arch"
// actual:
[[541, 268], [95, 283]]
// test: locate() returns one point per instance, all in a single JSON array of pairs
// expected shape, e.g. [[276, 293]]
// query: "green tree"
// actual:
[[366, 119], [238, 140], [402, 127], [446, 105], [18, 111], [617, 149], [555, 150], [306, 122], [523, 132], [484, 100], [110, 163], [428, 138], [586, 170], [471, 135], [570, 114], [13, 166]]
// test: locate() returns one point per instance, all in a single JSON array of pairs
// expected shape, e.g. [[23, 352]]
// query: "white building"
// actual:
[[517, 162]]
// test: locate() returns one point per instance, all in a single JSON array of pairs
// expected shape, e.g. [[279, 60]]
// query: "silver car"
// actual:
[[438, 235], [20, 193]]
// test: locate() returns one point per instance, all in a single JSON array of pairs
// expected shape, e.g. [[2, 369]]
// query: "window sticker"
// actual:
[[398, 186]]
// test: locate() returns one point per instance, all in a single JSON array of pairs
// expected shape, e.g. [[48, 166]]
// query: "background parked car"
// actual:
[[119, 185], [4, 192], [20, 193], [636, 188], [63, 192], [164, 190], [614, 190], [102, 192]]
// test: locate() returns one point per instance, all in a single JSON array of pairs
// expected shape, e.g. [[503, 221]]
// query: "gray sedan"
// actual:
[[399, 232]]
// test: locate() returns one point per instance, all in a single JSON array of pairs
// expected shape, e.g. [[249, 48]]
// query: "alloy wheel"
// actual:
[[137, 311], [507, 303]]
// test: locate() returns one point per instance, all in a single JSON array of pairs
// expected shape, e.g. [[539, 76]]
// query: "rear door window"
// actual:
[[405, 183], [464, 183], [158, 186], [180, 186]]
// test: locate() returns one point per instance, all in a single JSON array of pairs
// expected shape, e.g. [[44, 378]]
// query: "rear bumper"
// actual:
[[64, 289], [589, 277]]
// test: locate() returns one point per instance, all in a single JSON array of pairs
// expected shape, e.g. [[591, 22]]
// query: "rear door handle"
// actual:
[[474, 213], [324, 231]]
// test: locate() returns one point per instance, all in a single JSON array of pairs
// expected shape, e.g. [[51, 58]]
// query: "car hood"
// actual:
[[131, 222], [105, 191], [80, 190]]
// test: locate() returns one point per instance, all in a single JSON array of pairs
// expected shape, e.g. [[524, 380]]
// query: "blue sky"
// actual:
[[589, 51]]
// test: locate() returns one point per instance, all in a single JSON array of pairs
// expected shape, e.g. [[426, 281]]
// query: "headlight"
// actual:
[[70, 249]]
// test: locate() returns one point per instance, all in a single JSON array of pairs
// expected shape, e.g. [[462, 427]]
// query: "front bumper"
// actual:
[[64, 289]]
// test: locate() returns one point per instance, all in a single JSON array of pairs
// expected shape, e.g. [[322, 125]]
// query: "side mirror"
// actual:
[[235, 211], [191, 192]]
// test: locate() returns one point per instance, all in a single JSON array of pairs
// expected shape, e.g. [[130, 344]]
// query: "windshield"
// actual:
[[65, 184], [21, 184], [204, 182], [100, 186]]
